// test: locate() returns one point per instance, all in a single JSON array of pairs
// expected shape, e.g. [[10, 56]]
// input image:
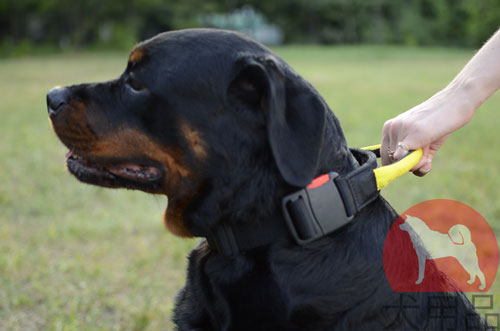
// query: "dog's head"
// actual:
[[210, 118]]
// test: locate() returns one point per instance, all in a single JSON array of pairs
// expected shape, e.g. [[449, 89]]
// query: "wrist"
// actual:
[[463, 98]]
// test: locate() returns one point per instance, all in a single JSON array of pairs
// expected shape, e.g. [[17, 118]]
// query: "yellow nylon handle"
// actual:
[[386, 174], [371, 148]]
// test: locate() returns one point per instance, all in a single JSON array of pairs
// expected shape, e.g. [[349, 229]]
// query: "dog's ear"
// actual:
[[249, 85], [295, 114]]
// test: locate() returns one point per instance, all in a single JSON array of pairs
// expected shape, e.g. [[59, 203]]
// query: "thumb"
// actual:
[[425, 169], [424, 165]]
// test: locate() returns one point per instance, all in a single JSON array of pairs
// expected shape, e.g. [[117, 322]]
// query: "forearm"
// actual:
[[480, 78]]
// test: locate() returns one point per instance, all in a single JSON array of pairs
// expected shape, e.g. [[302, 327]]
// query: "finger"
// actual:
[[425, 164], [401, 151], [385, 143], [410, 143], [429, 152], [425, 158], [394, 131], [424, 170]]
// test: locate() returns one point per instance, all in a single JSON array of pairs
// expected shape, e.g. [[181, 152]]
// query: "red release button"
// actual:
[[318, 181]]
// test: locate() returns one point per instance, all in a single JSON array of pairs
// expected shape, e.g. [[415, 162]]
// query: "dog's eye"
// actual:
[[134, 85]]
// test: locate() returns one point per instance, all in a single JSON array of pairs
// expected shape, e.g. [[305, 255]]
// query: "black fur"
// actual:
[[266, 131]]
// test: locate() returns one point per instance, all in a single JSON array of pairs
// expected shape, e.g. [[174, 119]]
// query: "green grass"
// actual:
[[77, 257]]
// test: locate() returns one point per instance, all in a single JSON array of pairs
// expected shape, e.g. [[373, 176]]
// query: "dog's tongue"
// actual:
[[128, 166], [134, 171], [69, 154]]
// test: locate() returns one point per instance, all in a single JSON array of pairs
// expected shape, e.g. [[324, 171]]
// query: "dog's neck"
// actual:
[[335, 154], [248, 222]]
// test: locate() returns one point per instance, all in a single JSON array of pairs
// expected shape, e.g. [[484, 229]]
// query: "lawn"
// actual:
[[77, 257]]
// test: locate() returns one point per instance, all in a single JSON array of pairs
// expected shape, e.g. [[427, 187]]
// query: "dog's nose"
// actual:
[[57, 98]]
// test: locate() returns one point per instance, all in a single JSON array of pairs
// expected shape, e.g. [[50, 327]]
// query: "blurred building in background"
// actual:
[[248, 21]]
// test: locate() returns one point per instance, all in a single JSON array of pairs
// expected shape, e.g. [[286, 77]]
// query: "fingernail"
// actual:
[[424, 170], [427, 166]]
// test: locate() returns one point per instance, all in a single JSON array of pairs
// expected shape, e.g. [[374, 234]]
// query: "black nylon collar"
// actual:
[[327, 204]]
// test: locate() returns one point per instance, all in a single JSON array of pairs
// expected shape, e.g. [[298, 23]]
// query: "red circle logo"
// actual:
[[439, 238]]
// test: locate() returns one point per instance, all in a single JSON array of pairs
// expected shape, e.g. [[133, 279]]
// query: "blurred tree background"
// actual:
[[80, 257], [26, 25]]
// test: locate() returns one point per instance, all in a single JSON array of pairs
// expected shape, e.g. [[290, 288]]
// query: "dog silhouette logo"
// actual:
[[430, 244], [436, 239]]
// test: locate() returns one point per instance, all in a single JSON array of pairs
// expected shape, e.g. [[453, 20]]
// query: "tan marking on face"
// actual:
[[174, 221], [73, 129], [194, 140], [71, 126], [136, 55], [129, 143]]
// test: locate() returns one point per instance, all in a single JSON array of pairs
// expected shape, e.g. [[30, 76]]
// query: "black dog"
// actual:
[[227, 129]]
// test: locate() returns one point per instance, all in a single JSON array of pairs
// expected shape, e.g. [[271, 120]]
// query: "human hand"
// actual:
[[427, 126]]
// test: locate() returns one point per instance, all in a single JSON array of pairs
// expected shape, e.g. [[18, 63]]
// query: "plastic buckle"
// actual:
[[324, 210]]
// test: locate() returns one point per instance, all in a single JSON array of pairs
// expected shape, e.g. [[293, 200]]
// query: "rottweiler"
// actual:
[[226, 129]]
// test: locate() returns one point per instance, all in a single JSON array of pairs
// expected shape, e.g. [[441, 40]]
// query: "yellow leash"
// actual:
[[386, 174]]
